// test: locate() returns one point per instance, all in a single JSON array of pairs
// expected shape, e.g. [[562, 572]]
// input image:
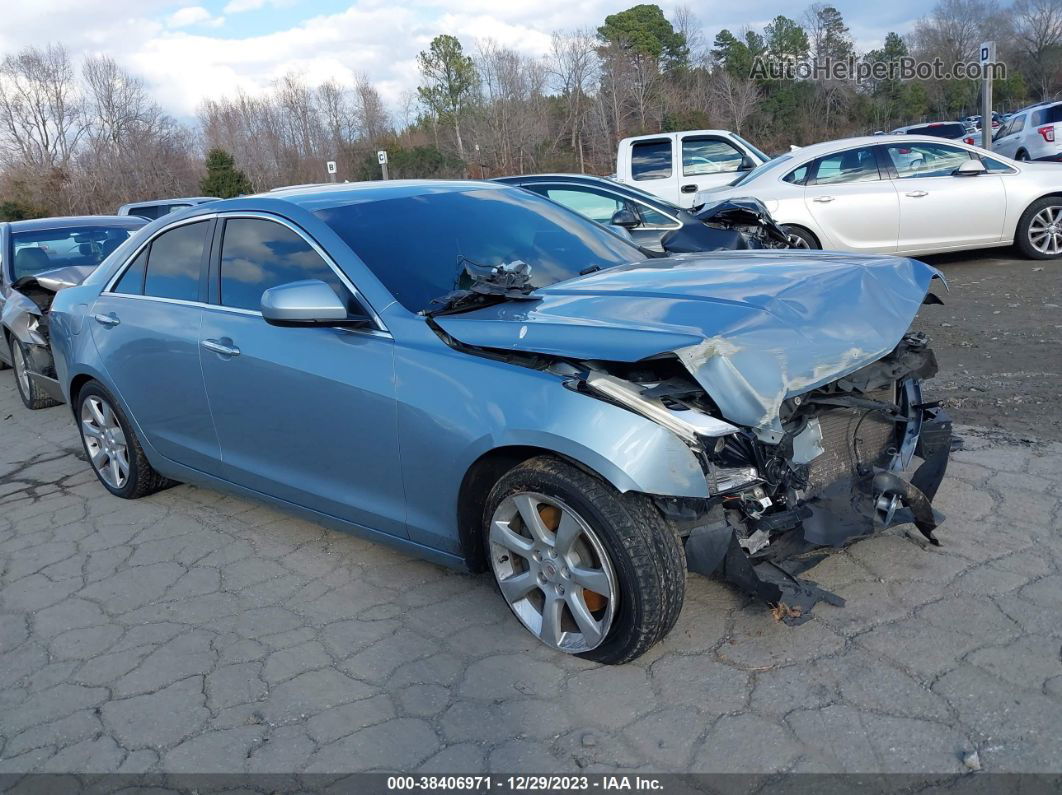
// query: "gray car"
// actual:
[[37, 259], [480, 376]]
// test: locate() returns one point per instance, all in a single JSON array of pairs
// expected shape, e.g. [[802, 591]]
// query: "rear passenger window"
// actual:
[[651, 160], [132, 281], [175, 262], [257, 255]]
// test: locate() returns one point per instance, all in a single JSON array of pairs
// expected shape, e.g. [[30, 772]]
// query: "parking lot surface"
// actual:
[[195, 632]]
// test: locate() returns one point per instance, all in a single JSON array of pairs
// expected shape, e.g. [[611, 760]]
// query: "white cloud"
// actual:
[[239, 6], [193, 15]]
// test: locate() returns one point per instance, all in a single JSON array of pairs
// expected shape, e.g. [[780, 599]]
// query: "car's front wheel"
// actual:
[[587, 570], [32, 395], [1039, 233], [112, 447]]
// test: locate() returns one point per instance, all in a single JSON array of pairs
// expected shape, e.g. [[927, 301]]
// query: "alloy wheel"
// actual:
[[1045, 230], [105, 441], [18, 361], [553, 571], [796, 241]]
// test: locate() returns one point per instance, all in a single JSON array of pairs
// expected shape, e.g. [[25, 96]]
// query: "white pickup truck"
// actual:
[[675, 165]]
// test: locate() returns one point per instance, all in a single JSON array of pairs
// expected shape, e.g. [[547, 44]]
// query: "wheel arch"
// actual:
[[811, 233], [1050, 194], [479, 479]]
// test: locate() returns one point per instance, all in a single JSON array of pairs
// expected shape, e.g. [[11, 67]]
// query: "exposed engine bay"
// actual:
[[838, 472]]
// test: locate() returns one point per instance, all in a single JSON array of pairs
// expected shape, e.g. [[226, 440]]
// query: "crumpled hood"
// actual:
[[752, 328]]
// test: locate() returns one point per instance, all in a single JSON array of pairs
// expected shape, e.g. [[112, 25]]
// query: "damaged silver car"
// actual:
[[37, 259], [478, 375]]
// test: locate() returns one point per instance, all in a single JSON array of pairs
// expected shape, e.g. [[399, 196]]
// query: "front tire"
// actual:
[[588, 570], [112, 447], [1039, 232], [800, 237], [33, 397]]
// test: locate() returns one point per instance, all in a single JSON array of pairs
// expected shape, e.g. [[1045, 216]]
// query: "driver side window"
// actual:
[[257, 254]]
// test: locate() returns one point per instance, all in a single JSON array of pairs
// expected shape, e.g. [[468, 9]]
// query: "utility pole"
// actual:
[[988, 57], [381, 156]]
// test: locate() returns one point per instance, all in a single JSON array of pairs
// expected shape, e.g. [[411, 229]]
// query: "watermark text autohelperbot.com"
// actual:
[[861, 70]]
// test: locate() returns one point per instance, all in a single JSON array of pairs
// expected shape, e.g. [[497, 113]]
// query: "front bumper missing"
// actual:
[[847, 510]]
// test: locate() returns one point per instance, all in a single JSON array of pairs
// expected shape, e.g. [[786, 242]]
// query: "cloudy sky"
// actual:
[[193, 49]]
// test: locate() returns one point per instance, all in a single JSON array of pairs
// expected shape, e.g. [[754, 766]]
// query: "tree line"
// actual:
[[79, 139]]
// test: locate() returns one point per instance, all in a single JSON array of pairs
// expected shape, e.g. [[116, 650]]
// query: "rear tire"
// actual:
[[1034, 236], [113, 450], [33, 397], [1022, 156], [800, 237], [620, 540]]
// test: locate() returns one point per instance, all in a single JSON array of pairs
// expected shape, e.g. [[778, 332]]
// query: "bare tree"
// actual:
[[737, 97], [1037, 30], [40, 109]]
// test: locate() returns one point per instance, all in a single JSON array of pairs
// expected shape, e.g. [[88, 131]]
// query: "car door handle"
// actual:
[[689, 188], [917, 194], [218, 347], [823, 199], [107, 320]]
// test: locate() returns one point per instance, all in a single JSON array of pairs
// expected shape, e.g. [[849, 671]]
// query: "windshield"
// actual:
[[418, 246], [760, 169], [41, 250], [756, 150]]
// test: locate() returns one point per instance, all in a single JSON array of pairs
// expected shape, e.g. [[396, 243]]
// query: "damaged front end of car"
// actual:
[[794, 380], [25, 316], [857, 455]]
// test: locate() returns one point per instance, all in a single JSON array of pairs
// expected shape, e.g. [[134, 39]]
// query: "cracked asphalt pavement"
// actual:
[[197, 632]]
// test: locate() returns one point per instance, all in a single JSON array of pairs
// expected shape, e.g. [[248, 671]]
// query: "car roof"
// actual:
[[825, 147], [72, 221], [157, 202], [322, 197], [650, 136]]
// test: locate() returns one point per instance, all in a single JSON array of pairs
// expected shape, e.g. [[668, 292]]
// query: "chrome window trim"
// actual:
[[254, 214], [678, 223]]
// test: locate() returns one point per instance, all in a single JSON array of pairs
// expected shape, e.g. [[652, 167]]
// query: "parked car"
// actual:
[[652, 222], [37, 259], [484, 378], [1032, 134], [950, 130], [674, 166], [160, 207], [909, 195]]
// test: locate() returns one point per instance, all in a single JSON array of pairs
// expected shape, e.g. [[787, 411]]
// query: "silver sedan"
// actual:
[[908, 195]]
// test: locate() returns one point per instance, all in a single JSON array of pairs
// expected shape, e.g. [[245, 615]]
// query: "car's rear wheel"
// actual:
[[112, 447], [587, 570], [32, 395], [800, 237], [1039, 234], [1022, 156]]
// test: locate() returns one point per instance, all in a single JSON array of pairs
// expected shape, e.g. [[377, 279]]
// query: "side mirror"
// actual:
[[969, 168], [307, 303], [625, 218], [747, 163]]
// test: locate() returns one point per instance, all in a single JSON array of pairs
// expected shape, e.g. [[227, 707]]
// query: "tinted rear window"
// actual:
[[956, 130], [175, 262], [651, 159], [1049, 115]]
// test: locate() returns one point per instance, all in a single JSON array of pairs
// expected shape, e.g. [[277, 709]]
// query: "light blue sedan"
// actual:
[[482, 377]]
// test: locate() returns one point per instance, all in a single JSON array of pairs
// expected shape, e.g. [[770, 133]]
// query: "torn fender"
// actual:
[[752, 327]]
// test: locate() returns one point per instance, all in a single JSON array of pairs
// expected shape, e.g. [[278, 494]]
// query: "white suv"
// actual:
[[1032, 134]]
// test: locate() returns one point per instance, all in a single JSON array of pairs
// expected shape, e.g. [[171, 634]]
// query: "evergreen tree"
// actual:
[[223, 179]]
